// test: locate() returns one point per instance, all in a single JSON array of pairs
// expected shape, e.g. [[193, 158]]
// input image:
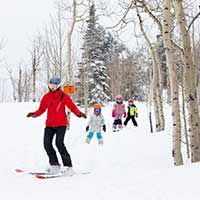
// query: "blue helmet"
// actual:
[[55, 80], [54, 84]]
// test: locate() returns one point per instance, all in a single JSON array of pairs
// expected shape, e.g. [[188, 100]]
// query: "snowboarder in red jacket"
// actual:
[[54, 102]]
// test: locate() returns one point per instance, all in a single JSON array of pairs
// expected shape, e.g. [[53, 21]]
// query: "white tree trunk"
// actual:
[[190, 88], [69, 53], [156, 110], [167, 25], [69, 45], [156, 92], [159, 85]]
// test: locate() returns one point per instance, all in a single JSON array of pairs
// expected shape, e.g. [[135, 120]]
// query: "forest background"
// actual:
[[148, 50]]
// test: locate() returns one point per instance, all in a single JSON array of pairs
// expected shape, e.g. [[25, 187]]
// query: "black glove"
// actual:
[[31, 114], [82, 115], [136, 115], [104, 128], [87, 128]]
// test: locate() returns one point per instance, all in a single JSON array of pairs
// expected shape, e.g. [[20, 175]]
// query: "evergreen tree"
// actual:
[[93, 69]]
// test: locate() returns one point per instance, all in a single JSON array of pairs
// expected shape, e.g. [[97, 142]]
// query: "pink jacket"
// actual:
[[118, 111]]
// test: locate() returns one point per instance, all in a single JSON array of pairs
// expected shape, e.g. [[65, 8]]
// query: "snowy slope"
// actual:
[[132, 164]]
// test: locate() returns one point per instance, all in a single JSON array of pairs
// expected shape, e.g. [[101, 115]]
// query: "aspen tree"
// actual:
[[167, 26], [189, 79], [156, 91]]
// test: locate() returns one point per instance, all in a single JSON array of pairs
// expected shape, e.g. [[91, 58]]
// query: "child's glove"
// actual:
[[87, 128], [113, 113], [104, 128], [124, 115], [136, 115]]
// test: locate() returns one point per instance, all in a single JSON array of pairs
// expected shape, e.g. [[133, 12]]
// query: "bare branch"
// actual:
[[144, 4], [192, 22], [122, 20]]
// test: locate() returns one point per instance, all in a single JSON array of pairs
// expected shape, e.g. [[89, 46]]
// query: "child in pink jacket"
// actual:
[[118, 112]]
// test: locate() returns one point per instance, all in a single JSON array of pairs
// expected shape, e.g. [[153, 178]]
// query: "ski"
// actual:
[[51, 176], [46, 175], [20, 171]]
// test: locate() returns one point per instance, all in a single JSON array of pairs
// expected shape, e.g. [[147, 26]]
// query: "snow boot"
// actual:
[[87, 140], [100, 141], [68, 171], [53, 169]]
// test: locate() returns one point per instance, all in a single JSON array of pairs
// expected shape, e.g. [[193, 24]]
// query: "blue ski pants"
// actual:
[[98, 134]]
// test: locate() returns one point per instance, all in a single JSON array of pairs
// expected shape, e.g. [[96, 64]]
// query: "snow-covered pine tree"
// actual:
[[92, 68]]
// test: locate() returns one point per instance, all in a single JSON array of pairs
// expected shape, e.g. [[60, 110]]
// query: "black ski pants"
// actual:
[[59, 141], [133, 120]]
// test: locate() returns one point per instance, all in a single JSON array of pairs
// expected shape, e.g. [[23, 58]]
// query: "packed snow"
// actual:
[[133, 164]]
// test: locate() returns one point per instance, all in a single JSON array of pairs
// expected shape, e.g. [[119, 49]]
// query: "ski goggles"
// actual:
[[97, 110], [119, 100], [53, 87]]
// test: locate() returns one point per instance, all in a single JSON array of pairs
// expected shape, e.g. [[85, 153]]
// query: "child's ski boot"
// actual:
[[87, 140], [100, 141]]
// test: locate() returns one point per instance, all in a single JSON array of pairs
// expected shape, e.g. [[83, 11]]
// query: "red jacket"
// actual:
[[55, 104]]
